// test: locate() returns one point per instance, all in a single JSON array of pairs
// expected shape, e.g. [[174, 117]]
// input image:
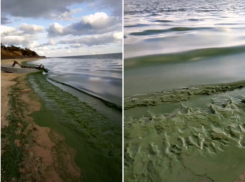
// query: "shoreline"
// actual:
[[6, 83], [39, 150]]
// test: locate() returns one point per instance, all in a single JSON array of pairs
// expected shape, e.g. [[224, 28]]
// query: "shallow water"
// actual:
[[95, 138], [184, 90], [202, 41], [197, 140], [172, 72], [97, 76], [81, 99]]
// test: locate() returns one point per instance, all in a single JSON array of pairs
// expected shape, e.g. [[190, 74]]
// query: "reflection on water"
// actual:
[[175, 44], [99, 77], [158, 27]]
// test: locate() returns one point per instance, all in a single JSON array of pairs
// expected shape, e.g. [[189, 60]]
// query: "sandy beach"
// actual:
[[6, 83], [41, 152]]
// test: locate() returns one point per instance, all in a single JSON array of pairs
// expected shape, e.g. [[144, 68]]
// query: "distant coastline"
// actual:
[[13, 52], [101, 56]]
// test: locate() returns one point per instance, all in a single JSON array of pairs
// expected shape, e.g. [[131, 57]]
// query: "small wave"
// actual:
[[89, 92], [175, 29], [136, 25], [186, 56], [153, 99], [163, 21]]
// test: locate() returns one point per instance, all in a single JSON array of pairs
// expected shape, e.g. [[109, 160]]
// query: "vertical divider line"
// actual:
[[122, 90]]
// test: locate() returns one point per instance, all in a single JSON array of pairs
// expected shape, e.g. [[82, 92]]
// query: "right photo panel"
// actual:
[[184, 91]]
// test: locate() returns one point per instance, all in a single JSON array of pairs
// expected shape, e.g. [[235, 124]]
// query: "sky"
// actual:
[[56, 28]]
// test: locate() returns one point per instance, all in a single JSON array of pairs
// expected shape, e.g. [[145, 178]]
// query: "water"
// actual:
[[184, 90], [95, 138], [81, 100], [98, 76], [175, 44], [164, 26]]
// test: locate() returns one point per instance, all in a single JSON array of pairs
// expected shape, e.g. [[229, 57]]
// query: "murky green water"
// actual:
[[96, 139], [201, 138], [184, 91]]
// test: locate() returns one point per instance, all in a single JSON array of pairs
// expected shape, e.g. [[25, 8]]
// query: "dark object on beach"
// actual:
[[39, 67]]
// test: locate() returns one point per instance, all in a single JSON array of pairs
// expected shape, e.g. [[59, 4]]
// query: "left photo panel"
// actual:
[[61, 90]]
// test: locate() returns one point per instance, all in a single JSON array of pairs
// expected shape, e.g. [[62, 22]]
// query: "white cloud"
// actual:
[[31, 29], [13, 40], [24, 35], [51, 42], [118, 35], [33, 44], [5, 30], [95, 18], [55, 29], [91, 40], [92, 24]]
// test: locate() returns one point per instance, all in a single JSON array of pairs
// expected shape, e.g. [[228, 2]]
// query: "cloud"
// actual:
[[75, 45], [36, 8], [91, 32], [51, 42], [5, 20], [112, 37], [118, 35], [13, 40], [55, 29], [31, 29], [24, 29], [6, 30], [24, 35], [92, 24], [47, 8], [67, 15], [24, 41]]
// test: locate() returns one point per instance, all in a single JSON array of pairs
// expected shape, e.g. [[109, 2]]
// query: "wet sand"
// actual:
[[41, 153]]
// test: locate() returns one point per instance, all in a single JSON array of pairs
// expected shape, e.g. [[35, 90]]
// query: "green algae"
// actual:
[[153, 99], [13, 155], [202, 141], [96, 139], [182, 56]]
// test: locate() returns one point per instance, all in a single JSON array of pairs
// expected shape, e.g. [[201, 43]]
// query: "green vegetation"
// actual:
[[16, 52], [12, 155]]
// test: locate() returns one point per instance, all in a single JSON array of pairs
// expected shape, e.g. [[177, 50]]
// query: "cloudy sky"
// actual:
[[63, 27]]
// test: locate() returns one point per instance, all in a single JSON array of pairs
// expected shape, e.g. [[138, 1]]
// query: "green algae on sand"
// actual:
[[96, 139]]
